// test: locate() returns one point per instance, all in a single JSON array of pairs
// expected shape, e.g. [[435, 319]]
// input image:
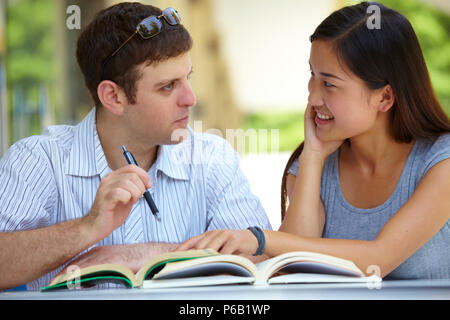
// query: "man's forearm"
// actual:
[[134, 256], [27, 255], [140, 253]]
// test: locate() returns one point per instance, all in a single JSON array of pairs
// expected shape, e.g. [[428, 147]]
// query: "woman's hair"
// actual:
[[109, 29], [390, 54]]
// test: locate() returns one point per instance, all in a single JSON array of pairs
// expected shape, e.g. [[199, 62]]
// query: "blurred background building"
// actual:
[[250, 62]]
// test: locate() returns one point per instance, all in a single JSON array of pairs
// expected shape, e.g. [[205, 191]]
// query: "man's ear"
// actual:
[[112, 97], [386, 98]]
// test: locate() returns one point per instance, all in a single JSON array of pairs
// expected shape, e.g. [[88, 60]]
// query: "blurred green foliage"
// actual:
[[432, 27], [30, 42], [30, 62], [289, 124], [31, 45], [433, 30]]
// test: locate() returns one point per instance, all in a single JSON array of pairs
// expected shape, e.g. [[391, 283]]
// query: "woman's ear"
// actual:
[[112, 97], [386, 98]]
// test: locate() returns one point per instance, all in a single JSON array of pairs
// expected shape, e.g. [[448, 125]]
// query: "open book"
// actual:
[[291, 267], [208, 267], [116, 273]]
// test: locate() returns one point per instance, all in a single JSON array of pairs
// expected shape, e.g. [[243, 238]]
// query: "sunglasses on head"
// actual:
[[148, 28]]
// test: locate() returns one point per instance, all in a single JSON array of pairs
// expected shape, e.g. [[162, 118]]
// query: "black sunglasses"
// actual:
[[148, 28]]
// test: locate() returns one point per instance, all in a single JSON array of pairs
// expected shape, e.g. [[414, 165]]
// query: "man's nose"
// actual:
[[187, 96]]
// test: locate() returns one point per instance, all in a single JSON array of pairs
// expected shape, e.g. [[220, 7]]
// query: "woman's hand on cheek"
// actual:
[[223, 241], [313, 145]]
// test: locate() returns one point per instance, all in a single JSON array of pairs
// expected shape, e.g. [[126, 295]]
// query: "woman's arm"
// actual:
[[305, 215], [420, 218]]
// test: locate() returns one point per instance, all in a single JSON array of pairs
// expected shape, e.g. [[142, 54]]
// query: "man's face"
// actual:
[[163, 99]]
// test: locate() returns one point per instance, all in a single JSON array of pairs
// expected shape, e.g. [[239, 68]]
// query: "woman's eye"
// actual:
[[327, 84]]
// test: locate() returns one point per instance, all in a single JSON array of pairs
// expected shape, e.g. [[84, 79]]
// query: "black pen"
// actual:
[[131, 160]]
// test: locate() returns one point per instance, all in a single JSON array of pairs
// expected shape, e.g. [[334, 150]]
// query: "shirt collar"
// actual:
[[87, 158], [86, 149], [175, 160]]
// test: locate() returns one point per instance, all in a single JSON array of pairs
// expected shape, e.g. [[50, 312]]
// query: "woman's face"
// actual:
[[343, 105]]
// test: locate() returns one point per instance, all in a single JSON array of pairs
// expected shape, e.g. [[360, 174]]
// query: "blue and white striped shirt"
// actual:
[[197, 186]]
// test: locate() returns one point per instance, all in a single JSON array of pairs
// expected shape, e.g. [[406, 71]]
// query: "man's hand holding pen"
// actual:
[[131, 160], [118, 192]]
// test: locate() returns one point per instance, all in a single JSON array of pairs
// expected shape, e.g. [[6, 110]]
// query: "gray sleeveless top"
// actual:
[[344, 221]]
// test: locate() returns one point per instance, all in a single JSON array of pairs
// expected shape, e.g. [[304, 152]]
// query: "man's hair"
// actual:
[[109, 29]]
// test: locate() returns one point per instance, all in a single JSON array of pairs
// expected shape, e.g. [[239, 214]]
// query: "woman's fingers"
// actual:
[[223, 241], [190, 243]]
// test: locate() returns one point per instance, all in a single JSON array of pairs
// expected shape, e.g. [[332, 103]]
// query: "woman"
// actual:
[[371, 181]]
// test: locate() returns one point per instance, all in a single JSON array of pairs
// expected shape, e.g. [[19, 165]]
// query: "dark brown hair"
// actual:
[[390, 55], [109, 29]]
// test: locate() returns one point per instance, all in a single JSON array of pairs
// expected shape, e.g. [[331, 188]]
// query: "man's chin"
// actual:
[[178, 135]]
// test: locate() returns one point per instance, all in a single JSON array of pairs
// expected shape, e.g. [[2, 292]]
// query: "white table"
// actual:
[[390, 290]]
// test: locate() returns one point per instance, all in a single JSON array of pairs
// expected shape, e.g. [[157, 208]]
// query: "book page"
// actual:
[[314, 278], [204, 270], [221, 264], [160, 260], [307, 262], [197, 281], [316, 267], [96, 270]]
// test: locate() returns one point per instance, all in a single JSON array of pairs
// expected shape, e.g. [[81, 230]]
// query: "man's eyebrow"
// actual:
[[160, 83], [325, 74]]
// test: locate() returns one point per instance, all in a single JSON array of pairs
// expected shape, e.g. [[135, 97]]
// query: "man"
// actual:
[[70, 194]]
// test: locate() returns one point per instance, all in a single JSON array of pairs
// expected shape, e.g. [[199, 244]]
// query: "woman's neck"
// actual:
[[375, 153]]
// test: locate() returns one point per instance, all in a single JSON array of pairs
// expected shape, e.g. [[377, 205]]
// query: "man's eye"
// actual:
[[168, 87]]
